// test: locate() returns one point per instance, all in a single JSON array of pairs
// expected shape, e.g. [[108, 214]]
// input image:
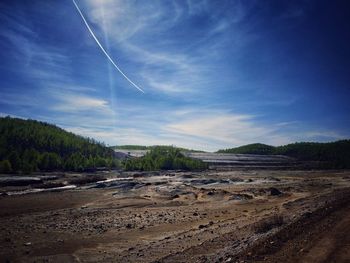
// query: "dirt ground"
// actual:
[[227, 216]]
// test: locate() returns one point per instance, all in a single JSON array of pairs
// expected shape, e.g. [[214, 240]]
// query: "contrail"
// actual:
[[103, 50]]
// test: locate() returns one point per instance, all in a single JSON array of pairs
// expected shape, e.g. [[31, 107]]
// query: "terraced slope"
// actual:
[[227, 161]]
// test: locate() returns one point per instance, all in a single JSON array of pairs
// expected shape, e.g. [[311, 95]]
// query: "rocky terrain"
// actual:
[[210, 216]]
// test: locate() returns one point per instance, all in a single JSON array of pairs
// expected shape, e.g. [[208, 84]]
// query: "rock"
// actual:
[[275, 191], [271, 178]]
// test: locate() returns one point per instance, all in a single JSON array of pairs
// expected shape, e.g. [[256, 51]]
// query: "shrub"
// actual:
[[5, 167], [164, 158]]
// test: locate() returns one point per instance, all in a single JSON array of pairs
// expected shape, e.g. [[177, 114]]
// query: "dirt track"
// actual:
[[182, 217], [320, 236]]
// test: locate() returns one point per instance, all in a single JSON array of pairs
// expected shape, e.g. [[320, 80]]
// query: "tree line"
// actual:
[[330, 155], [142, 147], [164, 158], [28, 145]]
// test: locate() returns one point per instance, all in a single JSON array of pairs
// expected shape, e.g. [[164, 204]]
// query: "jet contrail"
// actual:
[[103, 50]]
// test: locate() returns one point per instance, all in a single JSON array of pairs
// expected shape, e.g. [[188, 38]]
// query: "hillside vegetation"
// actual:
[[256, 148], [331, 155], [164, 158], [29, 145]]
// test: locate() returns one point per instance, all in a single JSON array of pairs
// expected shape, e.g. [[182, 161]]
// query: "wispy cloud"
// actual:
[[213, 79], [141, 31], [7, 96], [38, 61], [72, 102], [49, 67], [219, 127], [206, 129]]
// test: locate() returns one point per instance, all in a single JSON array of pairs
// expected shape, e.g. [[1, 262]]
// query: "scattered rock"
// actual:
[[275, 191]]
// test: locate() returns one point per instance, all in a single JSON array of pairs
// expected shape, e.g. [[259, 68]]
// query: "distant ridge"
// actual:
[[142, 147], [330, 155], [255, 148]]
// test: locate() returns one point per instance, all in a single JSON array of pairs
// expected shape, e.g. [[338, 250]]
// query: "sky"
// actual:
[[215, 74]]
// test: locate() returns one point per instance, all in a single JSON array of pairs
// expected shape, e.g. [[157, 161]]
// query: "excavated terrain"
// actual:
[[210, 216]]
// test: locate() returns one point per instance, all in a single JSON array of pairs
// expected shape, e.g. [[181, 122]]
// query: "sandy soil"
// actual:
[[184, 217]]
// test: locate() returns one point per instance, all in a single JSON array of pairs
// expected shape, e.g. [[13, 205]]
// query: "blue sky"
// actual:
[[216, 74]]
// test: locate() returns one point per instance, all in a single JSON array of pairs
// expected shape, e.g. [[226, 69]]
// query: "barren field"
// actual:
[[212, 216]]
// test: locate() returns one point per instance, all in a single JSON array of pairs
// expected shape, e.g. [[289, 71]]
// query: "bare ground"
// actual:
[[175, 220]]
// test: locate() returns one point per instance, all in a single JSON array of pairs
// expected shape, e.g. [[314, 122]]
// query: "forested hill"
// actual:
[[29, 145], [332, 154], [255, 148]]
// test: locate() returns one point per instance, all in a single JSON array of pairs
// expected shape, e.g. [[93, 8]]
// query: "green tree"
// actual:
[[164, 158], [30, 158], [28, 168], [15, 161], [5, 167], [49, 162]]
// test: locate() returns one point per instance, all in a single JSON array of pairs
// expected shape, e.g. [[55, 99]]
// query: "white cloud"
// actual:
[[207, 129], [72, 102], [222, 129], [127, 18]]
